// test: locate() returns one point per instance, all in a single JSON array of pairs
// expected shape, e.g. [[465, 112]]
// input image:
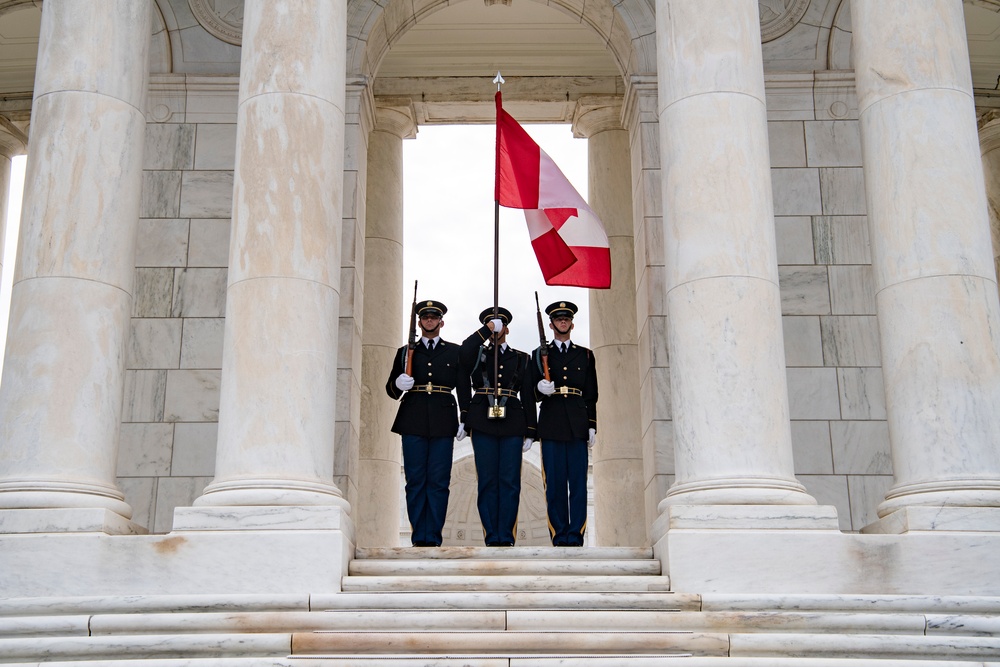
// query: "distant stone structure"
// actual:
[[799, 358]]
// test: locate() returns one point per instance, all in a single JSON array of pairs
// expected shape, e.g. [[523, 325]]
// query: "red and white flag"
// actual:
[[567, 236]]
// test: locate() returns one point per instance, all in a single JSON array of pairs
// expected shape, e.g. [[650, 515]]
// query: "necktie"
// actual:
[[430, 345]]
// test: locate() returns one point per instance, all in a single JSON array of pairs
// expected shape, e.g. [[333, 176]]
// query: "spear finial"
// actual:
[[498, 80]]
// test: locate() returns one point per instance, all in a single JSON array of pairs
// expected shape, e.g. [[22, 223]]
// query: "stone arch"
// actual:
[[839, 52], [628, 29]]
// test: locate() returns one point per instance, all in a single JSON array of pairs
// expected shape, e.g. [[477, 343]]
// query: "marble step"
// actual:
[[494, 567], [570, 644], [515, 620], [611, 583], [597, 600], [508, 643], [504, 553], [530, 661]]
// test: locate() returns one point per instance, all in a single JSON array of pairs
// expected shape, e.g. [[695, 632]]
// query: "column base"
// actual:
[[271, 517], [744, 517], [271, 492], [960, 493], [66, 520], [738, 491], [46, 494], [916, 519], [268, 555], [759, 550]]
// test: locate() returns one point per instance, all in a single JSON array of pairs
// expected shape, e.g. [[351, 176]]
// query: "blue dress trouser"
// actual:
[[427, 467], [564, 470], [498, 469]]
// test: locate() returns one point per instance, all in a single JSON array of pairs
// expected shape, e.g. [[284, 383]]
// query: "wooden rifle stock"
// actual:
[[412, 343], [543, 351]]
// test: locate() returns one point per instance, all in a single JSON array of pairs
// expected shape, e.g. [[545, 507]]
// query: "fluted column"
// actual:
[[729, 394], [277, 408], [617, 456], [936, 292], [378, 517], [61, 397]]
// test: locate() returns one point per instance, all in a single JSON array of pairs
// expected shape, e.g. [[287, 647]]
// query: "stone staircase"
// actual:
[[514, 607]]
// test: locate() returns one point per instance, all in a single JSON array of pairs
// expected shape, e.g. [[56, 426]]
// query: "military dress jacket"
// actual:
[[429, 408], [518, 397], [572, 410]]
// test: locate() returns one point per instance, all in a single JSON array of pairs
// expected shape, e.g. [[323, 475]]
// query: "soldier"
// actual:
[[567, 425], [500, 426], [427, 420]]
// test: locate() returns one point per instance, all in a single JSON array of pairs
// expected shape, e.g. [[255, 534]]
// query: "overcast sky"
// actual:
[[448, 231]]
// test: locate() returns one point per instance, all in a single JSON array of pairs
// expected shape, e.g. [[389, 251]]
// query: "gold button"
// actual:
[[564, 368], [430, 374]]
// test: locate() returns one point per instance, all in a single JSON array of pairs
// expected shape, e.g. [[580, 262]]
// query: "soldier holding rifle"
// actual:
[[424, 374], [565, 380], [501, 420]]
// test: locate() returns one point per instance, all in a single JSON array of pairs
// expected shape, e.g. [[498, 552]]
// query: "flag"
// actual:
[[567, 236]]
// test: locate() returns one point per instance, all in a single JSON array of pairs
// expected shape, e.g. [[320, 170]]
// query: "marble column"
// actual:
[[61, 397], [277, 409], [13, 142], [619, 507], [729, 395], [989, 142], [936, 292], [380, 459]]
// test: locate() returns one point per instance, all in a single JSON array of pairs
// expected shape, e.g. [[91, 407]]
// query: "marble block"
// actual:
[[803, 341], [813, 393], [787, 144], [833, 143], [796, 191], [194, 449], [169, 146], [192, 395], [793, 236], [144, 449], [843, 190], [154, 343], [201, 342], [209, 243], [216, 147], [913, 519], [805, 290], [162, 242], [66, 520]]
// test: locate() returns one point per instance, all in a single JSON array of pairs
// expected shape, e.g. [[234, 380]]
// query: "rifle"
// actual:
[[412, 343], [543, 351]]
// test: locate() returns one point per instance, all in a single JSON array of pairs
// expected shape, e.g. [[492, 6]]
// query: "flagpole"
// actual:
[[496, 259]]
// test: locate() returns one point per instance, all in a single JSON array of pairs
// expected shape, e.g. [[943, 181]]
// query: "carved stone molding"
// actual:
[[777, 17], [221, 18]]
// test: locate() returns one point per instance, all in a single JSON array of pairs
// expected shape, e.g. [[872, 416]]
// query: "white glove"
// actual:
[[497, 325], [547, 387], [404, 382], [593, 436], [460, 436], [528, 442]]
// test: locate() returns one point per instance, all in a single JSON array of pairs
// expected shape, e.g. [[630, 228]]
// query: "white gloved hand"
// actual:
[[592, 437], [497, 324], [404, 382], [528, 442], [460, 436], [547, 387]]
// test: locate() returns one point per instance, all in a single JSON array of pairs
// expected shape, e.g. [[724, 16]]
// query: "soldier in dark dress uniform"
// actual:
[[427, 420], [567, 425], [498, 441]]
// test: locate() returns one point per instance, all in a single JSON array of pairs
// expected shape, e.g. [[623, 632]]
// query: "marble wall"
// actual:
[[837, 406], [171, 405]]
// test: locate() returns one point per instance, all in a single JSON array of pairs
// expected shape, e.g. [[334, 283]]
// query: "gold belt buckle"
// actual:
[[564, 390], [429, 388], [496, 412]]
